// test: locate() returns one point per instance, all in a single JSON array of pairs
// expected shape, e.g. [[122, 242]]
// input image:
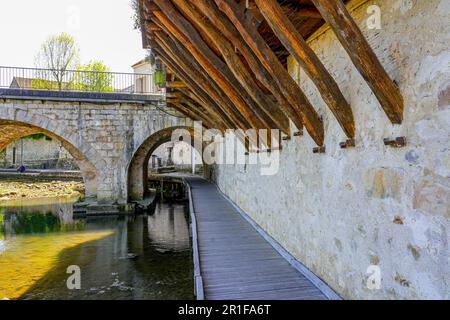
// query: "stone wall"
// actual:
[[101, 138], [343, 211], [42, 153]]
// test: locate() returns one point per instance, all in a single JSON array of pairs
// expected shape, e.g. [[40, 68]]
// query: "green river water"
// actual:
[[119, 257]]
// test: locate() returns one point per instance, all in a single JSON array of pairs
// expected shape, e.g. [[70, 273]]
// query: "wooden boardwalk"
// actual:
[[236, 262]]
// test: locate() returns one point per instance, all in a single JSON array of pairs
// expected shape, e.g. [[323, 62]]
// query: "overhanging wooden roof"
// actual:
[[302, 13], [230, 56]]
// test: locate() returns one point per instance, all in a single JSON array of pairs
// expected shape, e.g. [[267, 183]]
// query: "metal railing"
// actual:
[[80, 81]]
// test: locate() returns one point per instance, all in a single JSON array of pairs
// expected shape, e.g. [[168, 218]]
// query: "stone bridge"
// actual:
[[111, 142]]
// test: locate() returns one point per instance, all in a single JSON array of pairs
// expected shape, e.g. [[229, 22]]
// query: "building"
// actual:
[[144, 77], [36, 152]]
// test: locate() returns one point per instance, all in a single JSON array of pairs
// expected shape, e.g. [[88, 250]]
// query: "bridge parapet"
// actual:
[[76, 85]]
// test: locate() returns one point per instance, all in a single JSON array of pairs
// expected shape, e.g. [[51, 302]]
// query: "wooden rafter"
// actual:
[[309, 61], [299, 104], [222, 118], [210, 10], [176, 85], [183, 58], [347, 31], [183, 30]]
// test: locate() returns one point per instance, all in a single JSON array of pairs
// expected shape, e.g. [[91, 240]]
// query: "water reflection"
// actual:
[[121, 257]]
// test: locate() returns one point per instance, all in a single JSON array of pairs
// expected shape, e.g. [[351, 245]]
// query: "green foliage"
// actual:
[[136, 15], [41, 84], [58, 53], [159, 78], [94, 76]]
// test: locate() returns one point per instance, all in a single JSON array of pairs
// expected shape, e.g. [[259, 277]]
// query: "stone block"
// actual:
[[383, 183], [432, 195]]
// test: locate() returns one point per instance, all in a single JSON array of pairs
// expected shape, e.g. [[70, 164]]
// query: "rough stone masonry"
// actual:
[[348, 209]]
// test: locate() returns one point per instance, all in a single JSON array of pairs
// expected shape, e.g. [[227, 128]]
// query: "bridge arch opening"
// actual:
[[138, 169], [11, 130]]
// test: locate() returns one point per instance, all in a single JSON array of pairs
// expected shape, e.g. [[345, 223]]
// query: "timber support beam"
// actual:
[[352, 39]]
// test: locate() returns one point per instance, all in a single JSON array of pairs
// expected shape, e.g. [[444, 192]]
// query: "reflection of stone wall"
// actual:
[[345, 210]]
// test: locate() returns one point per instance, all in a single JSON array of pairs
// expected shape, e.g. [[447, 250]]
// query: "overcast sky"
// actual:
[[102, 28]]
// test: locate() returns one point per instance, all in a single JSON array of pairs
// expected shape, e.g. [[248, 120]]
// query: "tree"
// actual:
[[136, 15], [58, 53], [94, 76], [159, 75]]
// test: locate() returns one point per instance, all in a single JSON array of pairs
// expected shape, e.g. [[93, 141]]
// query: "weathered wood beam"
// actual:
[[183, 30], [195, 88], [192, 114], [352, 39], [198, 109], [267, 110], [185, 111], [187, 62], [200, 80], [309, 13], [192, 103], [198, 100], [297, 46], [176, 85], [300, 109], [220, 118]]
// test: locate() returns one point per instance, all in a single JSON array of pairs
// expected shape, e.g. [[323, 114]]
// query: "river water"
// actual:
[[43, 246]]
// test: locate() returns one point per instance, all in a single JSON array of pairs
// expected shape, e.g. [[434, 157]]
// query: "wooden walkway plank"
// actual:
[[236, 262]]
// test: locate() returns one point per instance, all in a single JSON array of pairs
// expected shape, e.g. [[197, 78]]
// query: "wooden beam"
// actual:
[[347, 31], [185, 111], [209, 9], [215, 67], [176, 85], [297, 46], [194, 97], [221, 119], [267, 110], [195, 108], [309, 13], [300, 109]]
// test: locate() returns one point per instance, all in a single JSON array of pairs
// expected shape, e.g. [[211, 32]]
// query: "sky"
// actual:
[[103, 30]]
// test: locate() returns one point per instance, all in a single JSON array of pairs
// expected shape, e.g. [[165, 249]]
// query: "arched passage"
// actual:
[[12, 130], [138, 168]]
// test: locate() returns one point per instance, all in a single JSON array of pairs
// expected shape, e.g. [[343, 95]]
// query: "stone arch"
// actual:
[[11, 130], [138, 167]]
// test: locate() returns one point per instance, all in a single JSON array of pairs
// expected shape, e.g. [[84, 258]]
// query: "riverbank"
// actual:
[[24, 188]]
